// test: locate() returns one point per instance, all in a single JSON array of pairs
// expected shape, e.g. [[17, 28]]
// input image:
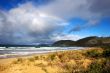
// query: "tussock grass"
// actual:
[[2, 67], [78, 61], [18, 60], [31, 59]]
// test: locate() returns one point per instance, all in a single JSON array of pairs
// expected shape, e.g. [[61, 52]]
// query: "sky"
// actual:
[[47, 21]]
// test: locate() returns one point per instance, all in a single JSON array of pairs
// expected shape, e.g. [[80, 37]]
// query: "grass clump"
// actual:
[[2, 67], [19, 60], [31, 59], [44, 69], [106, 52], [99, 66], [95, 67], [51, 57], [80, 61], [95, 53], [36, 57]]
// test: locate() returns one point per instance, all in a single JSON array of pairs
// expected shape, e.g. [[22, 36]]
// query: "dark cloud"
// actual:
[[100, 6], [6, 33], [99, 9], [25, 24], [30, 23]]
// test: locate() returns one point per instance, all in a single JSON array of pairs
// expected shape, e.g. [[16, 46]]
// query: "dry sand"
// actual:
[[29, 64], [10, 65]]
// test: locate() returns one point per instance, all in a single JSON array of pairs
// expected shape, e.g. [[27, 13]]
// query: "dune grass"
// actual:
[[96, 60]]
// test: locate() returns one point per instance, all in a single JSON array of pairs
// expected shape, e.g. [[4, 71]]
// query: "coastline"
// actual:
[[6, 56], [17, 56], [51, 62]]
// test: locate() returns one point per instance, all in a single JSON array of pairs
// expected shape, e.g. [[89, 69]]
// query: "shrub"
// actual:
[[106, 67], [94, 53], [95, 67], [76, 56], [105, 47], [19, 60], [69, 55], [51, 57], [44, 69], [64, 58], [31, 59], [70, 68], [36, 57], [99, 67], [2, 67], [106, 53]]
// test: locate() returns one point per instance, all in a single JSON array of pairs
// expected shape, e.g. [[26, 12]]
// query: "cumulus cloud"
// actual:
[[90, 10], [26, 21], [101, 7], [30, 23], [67, 9], [56, 37]]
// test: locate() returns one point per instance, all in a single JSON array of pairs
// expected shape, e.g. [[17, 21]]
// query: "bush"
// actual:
[[106, 53], [2, 67], [19, 60], [76, 56], [107, 67], [51, 57], [94, 53], [105, 47], [31, 59], [69, 55], [95, 67], [99, 67], [36, 57]]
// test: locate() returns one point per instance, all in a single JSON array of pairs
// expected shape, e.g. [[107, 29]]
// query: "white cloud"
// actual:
[[67, 9], [57, 37], [31, 22], [27, 22], [32, 19]]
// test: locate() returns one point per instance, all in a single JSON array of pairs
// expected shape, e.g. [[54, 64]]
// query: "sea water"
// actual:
[[17, 51]]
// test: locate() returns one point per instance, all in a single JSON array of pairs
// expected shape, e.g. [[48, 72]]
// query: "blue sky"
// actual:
[[45, 21]]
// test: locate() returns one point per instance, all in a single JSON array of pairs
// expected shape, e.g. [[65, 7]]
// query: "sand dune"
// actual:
[[79, 61]]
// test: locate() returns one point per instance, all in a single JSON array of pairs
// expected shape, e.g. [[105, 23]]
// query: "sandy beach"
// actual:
[[71, 61], [26, 65]]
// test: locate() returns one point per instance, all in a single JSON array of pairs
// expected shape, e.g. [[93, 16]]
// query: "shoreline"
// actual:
[[53, 62], [8, 56], [19, 56]]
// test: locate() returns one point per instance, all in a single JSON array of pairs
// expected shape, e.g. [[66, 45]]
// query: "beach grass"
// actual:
[[92, 60]]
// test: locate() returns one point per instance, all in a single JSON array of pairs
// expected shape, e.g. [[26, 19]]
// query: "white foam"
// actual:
[[33, 50]]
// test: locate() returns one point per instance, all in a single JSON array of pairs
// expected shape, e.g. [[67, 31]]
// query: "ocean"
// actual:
[[22, 51]]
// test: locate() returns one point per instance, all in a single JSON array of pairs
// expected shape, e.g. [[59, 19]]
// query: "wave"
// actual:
[[12, 51]]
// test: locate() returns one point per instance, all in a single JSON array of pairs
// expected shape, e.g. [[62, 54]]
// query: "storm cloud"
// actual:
[[27, 22], [31, 22], [101, 7]]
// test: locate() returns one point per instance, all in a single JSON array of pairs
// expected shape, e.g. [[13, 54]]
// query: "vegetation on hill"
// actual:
[[88, 41], [64, 43]]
